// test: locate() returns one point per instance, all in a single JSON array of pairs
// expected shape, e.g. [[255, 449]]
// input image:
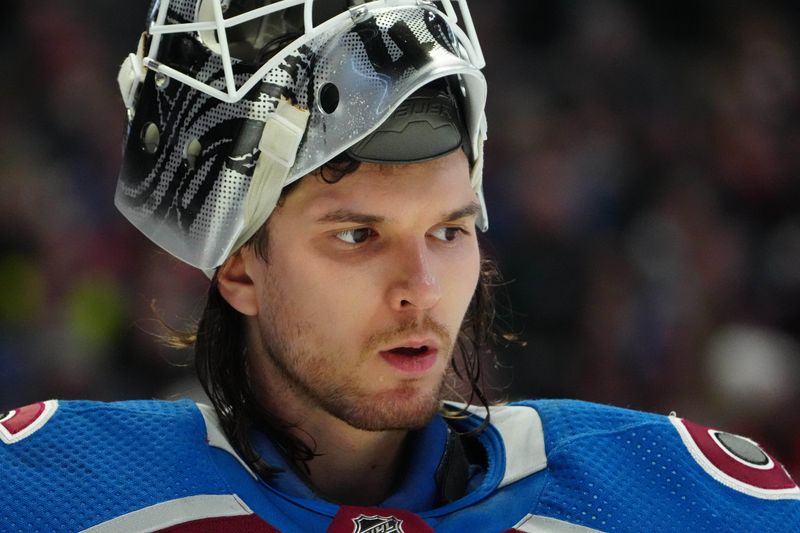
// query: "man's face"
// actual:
[[364, 292]]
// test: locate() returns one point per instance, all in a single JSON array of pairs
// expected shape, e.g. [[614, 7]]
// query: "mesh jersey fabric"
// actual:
[[607, 469], [94, 461], [613, 469]]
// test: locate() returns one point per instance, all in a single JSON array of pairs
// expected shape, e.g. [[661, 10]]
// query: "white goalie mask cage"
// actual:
[[229, 101]]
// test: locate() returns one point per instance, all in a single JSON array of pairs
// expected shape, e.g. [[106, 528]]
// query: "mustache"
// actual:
[[424, 326]]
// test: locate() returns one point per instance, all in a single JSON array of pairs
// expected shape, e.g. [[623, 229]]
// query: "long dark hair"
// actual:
[[221, 360]]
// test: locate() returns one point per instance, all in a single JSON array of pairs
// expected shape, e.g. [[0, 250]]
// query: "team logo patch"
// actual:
[[23, 422], [736, 462], [377, 524]]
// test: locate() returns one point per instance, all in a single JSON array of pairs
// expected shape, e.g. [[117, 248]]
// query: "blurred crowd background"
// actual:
[[642, 176]]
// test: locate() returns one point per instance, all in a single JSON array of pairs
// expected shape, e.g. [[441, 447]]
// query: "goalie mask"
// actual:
[[229, 101]]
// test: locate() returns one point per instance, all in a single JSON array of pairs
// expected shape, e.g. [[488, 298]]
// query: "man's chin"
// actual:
[[400, 409]]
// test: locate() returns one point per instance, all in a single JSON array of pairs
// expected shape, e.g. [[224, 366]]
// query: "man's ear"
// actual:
[[236, 285]]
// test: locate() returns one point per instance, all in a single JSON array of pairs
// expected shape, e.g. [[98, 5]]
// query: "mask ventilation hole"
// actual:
[[328, 98], [161, 80], [192, 153], [150, 138]]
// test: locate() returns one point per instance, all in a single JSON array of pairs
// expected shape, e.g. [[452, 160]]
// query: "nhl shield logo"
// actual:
[[377, 524]]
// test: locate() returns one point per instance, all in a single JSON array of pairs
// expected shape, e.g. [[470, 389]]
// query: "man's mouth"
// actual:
[[415, 358], [407, 350]]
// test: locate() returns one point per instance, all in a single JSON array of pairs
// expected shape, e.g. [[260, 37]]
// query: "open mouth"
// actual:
[[405, 350], [413, 360]]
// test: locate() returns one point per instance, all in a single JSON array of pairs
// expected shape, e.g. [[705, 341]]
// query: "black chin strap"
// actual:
[[452, 474]]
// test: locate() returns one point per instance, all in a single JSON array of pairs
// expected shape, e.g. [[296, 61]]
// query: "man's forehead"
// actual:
[[438, 186]]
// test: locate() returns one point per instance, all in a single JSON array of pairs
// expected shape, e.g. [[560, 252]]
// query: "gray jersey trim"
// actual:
[[174, 512], [520, 429], [216, 437], [545, 524]]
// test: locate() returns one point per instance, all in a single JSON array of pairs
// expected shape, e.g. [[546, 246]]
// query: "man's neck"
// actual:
[[353, 466]]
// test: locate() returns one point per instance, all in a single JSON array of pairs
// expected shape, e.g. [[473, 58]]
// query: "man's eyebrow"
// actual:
[[354, 217], [471, 210], [346, 215]]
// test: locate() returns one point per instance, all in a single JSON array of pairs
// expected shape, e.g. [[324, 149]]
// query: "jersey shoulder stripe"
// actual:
[[92, 461], [20, 423], [608, 465]]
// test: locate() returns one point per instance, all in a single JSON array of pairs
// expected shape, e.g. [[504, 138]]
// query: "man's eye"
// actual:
[[355, 236], [448, 233]]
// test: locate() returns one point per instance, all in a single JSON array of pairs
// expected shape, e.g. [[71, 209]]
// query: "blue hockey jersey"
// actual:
[[550, 466]]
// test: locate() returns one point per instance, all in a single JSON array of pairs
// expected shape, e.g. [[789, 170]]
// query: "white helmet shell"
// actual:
[[213, 139]]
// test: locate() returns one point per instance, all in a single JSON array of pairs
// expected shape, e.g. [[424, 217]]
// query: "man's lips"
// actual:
[[412, 356]]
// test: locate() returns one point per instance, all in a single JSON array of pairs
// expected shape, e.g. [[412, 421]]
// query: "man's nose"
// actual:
[[416, 284]]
